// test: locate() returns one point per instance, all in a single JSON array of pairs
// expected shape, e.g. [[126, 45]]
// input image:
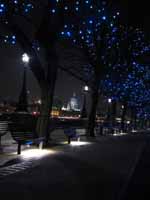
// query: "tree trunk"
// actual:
[[124, 111], [43, 120], [92, 115], [133, 118], [113, 117], [84, 111], [47, 93], [22, 105], [114, 111], [142, 123]]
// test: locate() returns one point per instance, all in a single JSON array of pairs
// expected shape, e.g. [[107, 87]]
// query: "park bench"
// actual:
[[106, 128], [74, 133], [23, 135], [3, 129]]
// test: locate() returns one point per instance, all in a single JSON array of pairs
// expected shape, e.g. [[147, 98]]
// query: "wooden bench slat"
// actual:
[[3, 128], [73, 133], [22, 136]]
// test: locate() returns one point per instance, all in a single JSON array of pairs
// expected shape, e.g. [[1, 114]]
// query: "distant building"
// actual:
[[73, 104]]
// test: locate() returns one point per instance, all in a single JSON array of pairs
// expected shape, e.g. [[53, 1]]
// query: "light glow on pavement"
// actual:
[[79, 143], [35, 153], [119, 134]]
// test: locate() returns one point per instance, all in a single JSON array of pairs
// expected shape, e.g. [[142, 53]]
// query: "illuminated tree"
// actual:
[[86, 23], [125, 81], [94, 31], [14, 15]]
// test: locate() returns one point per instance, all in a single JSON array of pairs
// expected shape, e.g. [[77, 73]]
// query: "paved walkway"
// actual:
[[102, 168], [139, 184], [8, 150]]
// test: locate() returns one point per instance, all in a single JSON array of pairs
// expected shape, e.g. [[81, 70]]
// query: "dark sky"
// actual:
[[11, 72], [136, 13], [132, 12]]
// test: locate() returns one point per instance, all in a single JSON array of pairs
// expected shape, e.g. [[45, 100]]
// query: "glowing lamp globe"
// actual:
[[25, 58], [86, 88], [109, 100]]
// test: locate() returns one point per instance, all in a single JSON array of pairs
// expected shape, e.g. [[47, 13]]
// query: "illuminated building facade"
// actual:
[[73, 104]]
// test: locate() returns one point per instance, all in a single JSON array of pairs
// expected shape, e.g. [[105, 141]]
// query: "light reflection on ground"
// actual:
[[79, 143], [119, 134], [36, 153]]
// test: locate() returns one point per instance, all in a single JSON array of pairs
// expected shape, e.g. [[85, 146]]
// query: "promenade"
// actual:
[[101, 168]]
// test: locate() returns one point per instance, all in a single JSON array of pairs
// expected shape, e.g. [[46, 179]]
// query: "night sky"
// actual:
[[11, 72], [135, 13]]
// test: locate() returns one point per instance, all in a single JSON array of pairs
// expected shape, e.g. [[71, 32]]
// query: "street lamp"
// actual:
[[109, 100], [86, 88], [25, 58], [39, 102], [23, 102], [109, 110], [84, 111]]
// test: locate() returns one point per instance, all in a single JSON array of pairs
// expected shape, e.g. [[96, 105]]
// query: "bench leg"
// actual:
[[69, 140], [0, 142], [19, 148], [101, 130], [41, 145]]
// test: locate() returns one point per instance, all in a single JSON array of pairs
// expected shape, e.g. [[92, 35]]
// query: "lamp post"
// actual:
[[84, 111], [109, 108], [23, 102]]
